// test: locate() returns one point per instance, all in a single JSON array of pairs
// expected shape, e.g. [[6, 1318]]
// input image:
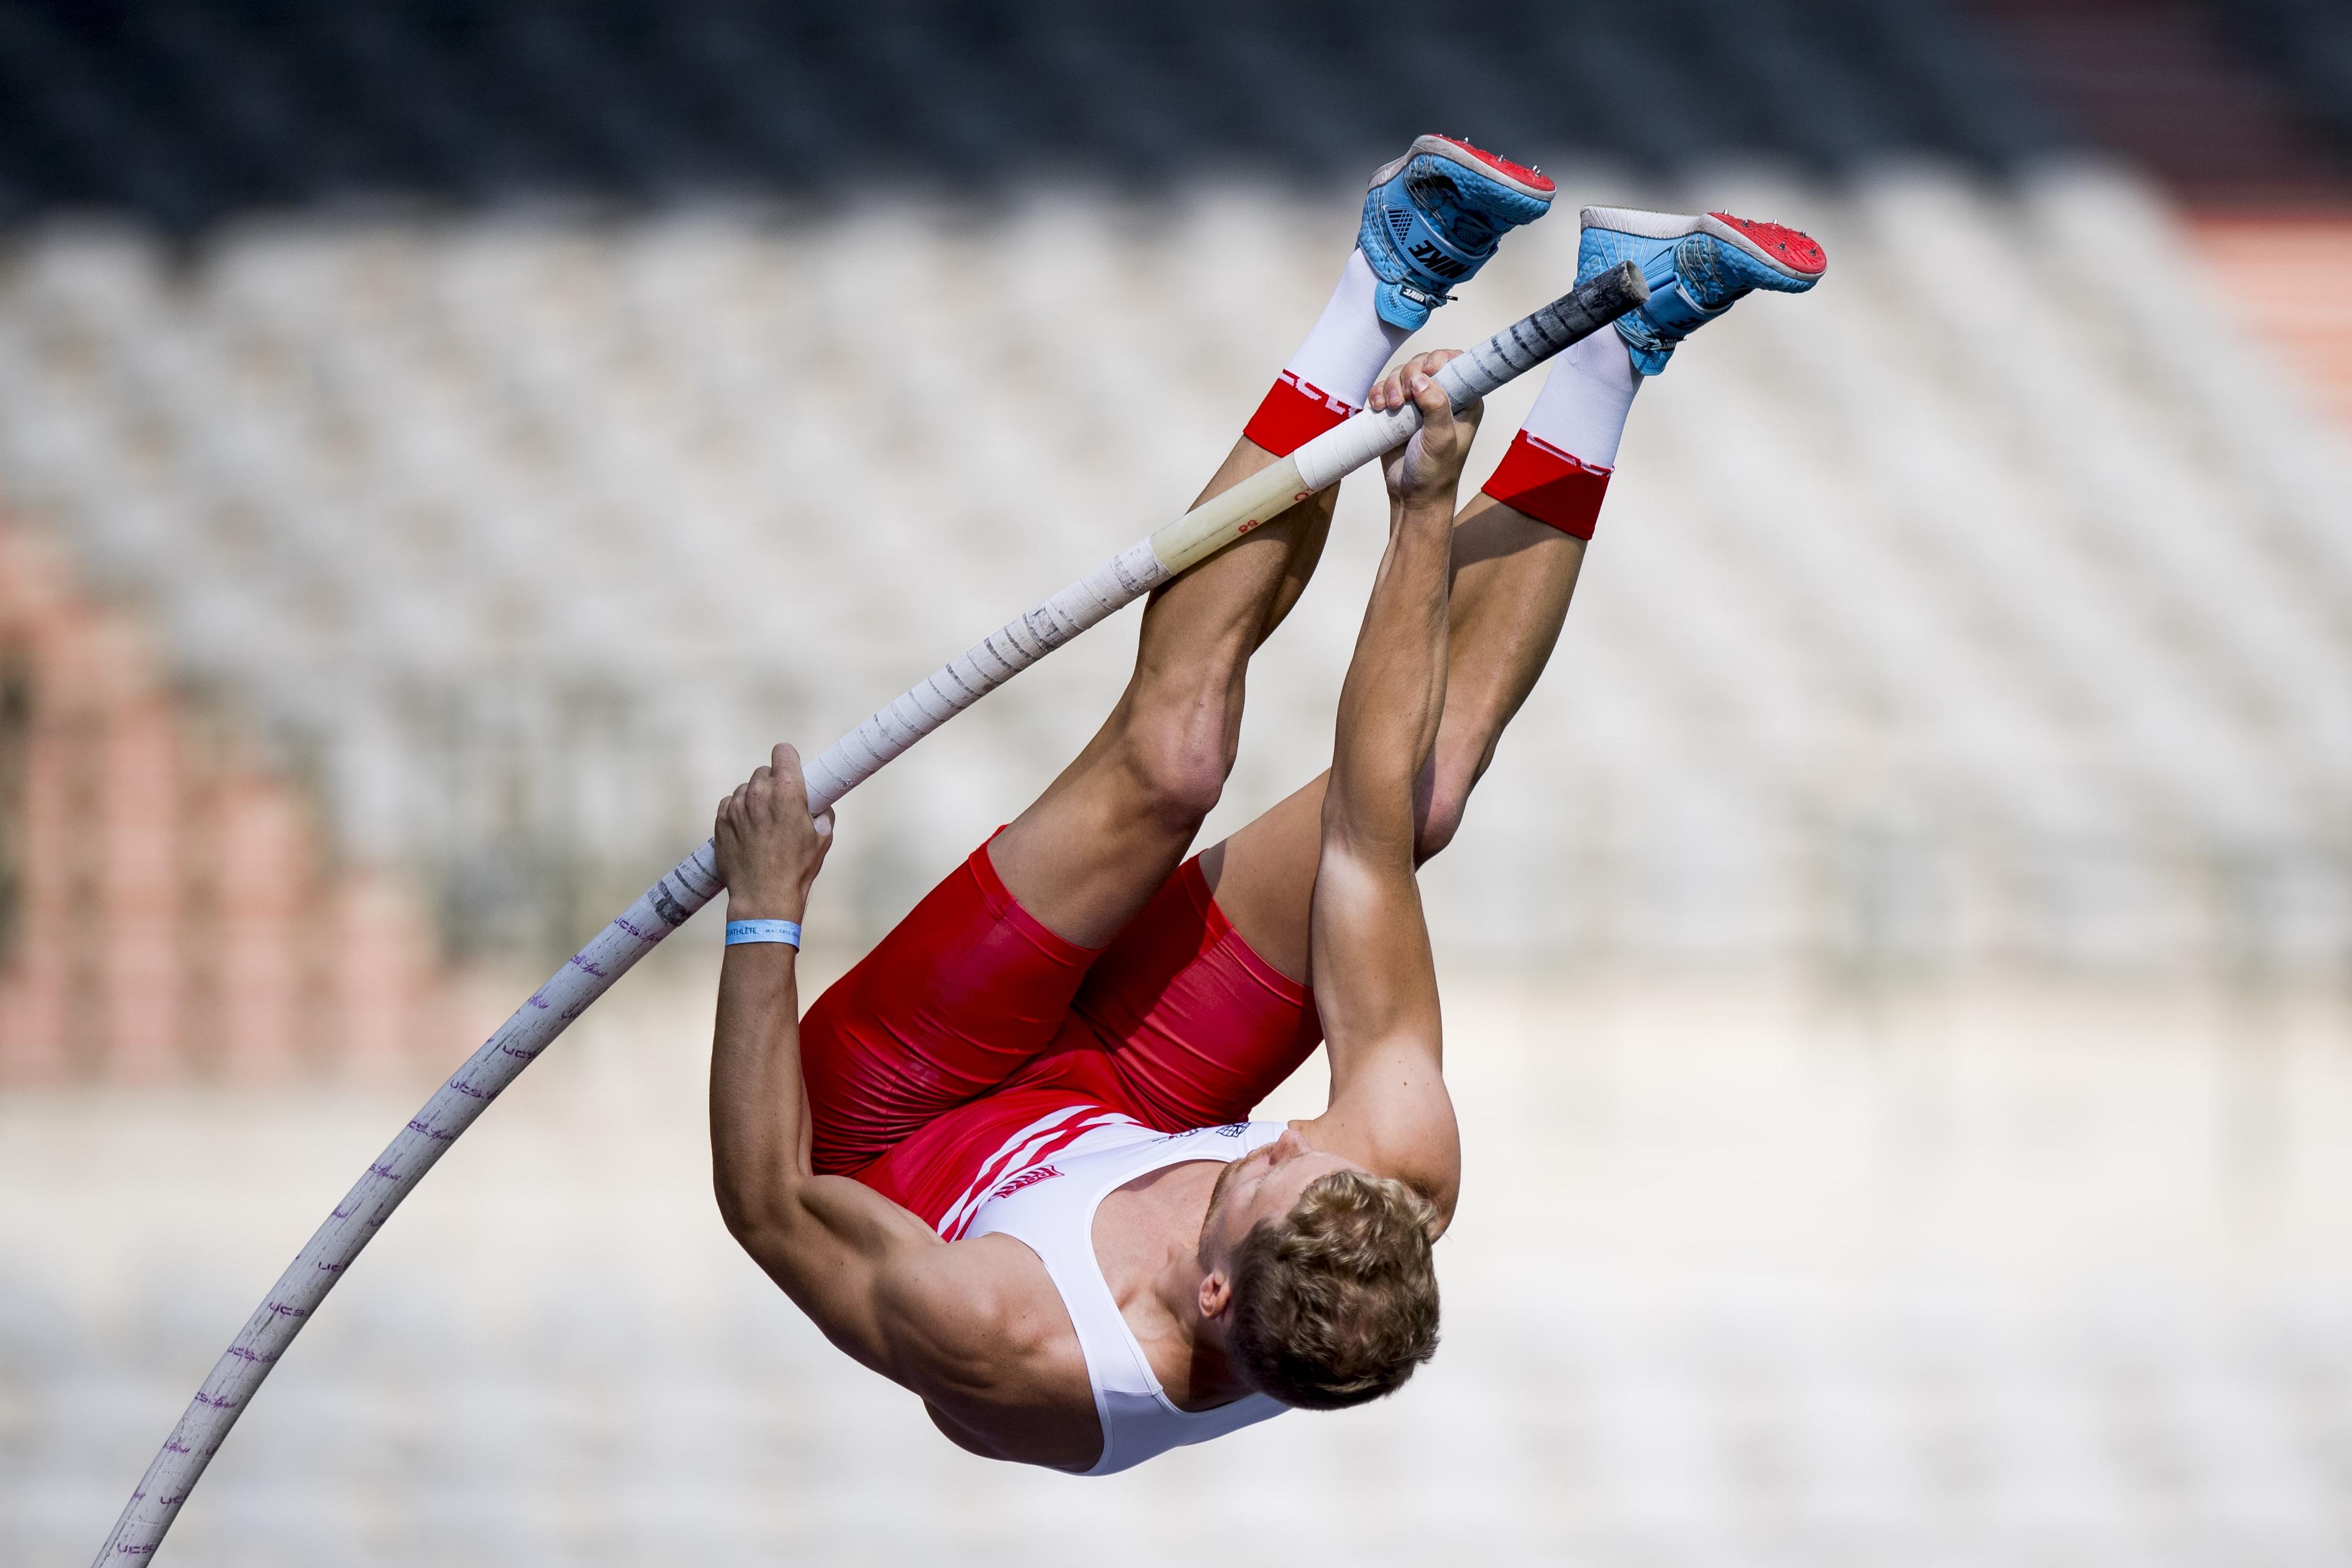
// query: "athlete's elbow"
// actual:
[[758, 1213], [778, 1247], [740, 1218]]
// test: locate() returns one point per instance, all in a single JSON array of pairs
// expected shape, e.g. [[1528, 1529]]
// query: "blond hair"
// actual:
[[1336, 1303]]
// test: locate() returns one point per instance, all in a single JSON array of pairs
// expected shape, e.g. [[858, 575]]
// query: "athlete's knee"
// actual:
[[1435, 825], [1180, 768], [1439, 804], [1177, 734]]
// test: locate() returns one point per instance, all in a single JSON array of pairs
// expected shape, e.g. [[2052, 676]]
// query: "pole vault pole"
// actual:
[[694, 881]]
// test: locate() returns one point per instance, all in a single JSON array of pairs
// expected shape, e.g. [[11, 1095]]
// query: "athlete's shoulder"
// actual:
[[973, 1314]]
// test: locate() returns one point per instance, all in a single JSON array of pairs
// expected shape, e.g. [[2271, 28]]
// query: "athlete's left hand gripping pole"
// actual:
[[694, 881]]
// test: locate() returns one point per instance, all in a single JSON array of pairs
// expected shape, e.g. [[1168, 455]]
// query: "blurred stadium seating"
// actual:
[[170, 906], [2232, 110]]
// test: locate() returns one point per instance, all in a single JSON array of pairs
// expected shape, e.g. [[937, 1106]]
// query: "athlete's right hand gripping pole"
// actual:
[[694, 881]]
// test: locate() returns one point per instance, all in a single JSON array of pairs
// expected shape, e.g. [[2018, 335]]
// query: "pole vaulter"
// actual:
[[850, 760]]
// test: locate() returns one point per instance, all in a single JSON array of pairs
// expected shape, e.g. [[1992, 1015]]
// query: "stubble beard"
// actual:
[[1217, 1197]]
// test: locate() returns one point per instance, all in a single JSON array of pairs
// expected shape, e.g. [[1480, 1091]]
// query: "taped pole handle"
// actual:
[[694, 881]]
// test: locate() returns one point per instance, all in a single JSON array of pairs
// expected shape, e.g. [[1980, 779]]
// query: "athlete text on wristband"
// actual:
[[785, 932]]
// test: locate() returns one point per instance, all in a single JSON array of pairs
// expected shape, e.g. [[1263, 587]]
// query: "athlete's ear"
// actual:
[[1216, 1294]]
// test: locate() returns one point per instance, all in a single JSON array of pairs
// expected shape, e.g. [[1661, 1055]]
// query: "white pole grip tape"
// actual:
[[694, 881]]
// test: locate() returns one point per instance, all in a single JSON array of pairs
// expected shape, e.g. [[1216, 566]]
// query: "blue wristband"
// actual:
[[741, 931]]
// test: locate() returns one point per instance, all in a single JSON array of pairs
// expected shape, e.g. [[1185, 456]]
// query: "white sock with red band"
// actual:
[[1558, 465], [1333, 371]]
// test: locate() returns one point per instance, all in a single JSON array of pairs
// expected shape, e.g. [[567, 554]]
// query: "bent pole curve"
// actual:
[[694, 881]]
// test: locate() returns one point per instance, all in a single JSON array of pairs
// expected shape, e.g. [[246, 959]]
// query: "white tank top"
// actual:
[[1049, 1207]]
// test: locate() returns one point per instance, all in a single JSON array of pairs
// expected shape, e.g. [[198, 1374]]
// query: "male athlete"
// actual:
[[1006, 1161]]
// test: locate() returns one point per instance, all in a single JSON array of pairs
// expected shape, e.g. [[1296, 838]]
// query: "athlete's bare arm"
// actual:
[[1376, 984], [944, 1321]]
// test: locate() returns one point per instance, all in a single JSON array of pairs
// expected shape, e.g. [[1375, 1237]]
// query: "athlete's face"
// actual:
[[1263, 1185]]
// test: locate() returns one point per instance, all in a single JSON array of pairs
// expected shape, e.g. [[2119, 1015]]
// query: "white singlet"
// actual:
[[1050, 1208]]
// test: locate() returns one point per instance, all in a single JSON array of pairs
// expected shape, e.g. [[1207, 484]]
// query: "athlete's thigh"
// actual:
[[1197, 1027], [962, 994]]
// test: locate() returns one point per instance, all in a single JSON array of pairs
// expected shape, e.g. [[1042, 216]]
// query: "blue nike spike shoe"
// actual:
[[1433, 218], [1696, 267]]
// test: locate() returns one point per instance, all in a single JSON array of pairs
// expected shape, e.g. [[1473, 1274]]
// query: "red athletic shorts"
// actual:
[[972, 1024]]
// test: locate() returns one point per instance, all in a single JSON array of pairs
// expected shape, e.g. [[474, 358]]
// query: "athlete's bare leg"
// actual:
[[1513, 578], [1106, 834]]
